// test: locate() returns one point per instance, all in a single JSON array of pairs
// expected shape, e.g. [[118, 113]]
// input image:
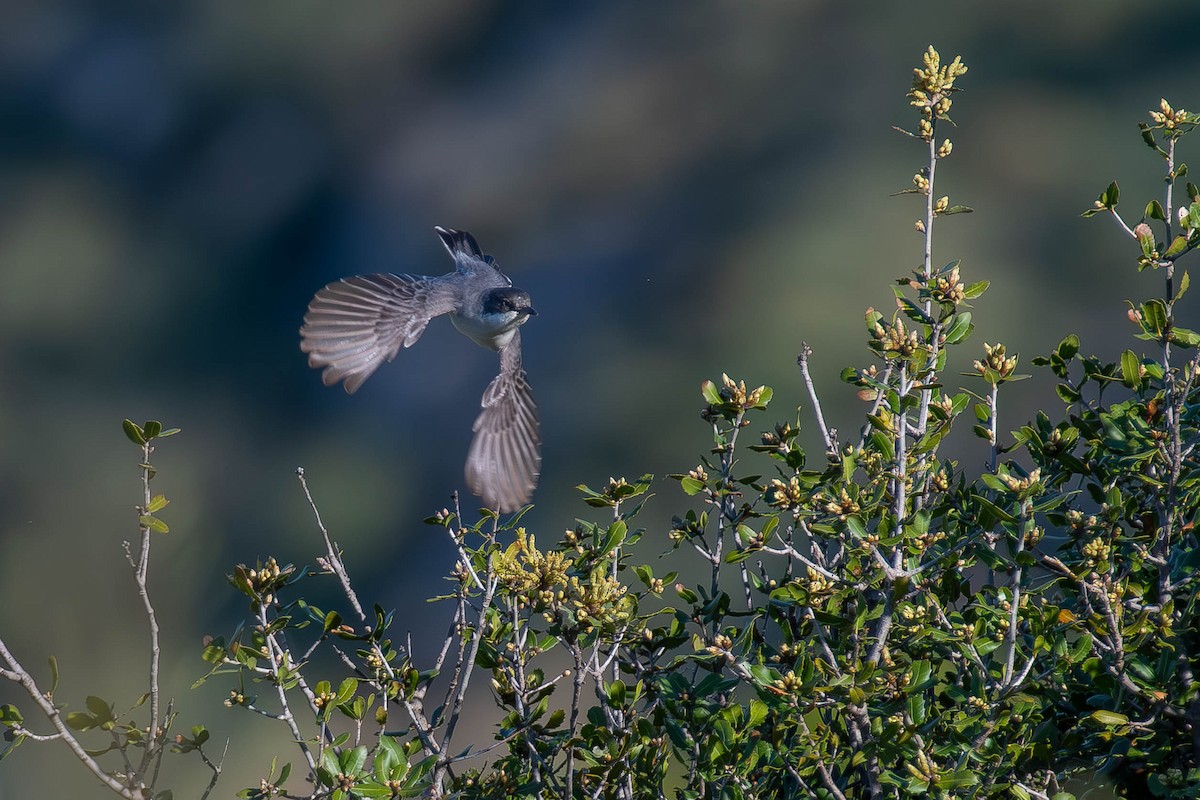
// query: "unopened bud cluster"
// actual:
[[1173, 119], [534, 576], [615, 487], [602, 599], [616, 491], [1095, 551], [843, 505], [948, 288], [996, 365], [323, 699], [261, 582], [910, 612], [789, 496], [933, 83], [894, 339], [779, 437], [721, 645], [1018, 484], [737, 393], [816, 584], [789, 683], [684, 528], [928, 539]]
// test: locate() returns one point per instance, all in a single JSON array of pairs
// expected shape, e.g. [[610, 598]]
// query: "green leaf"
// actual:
[[992, 509], [16, 742], [765, 393], [152, 428], [958, 779], [976, 289], [1154, 210], [711, 395], [10, 715], [134, 432], [353, 760], [1109, 197], [1130, 369], [385, 759], [676, 734], [101, 709], [614, 538], [1154, 317], [960, 329], [1109, 718], [920, 677], [856, 526], [80, 720], [1148, 138], [691, 486], [157, 503], [346, 690], [956, 210], [1068, 348], [1185, 337], [153, 523], [758, 713], [53, 675], [1068, 394], [1178, 245]]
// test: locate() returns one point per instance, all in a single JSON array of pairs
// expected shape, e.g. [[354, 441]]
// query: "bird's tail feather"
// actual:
[[459, 242]]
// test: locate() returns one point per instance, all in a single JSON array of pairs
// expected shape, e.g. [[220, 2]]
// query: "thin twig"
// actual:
[[216, 768], [154, 744], [827, 436], [332, 551]]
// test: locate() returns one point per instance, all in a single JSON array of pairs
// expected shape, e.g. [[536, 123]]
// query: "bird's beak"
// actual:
[[530, 311]]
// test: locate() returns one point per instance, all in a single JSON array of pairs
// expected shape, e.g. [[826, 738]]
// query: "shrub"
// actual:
[[876, 621]]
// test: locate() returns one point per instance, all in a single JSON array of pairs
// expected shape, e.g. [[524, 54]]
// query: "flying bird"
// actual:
[[356, 324]]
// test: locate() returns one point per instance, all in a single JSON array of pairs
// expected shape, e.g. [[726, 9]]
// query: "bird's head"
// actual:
[[508, 306]]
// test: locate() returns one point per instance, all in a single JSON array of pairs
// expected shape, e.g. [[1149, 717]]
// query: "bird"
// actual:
[[356, 324]]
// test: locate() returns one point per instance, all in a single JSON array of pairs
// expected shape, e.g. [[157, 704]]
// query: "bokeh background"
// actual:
[[685, 188]]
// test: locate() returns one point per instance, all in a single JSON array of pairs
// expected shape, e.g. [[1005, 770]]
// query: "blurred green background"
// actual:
[[685, 188]]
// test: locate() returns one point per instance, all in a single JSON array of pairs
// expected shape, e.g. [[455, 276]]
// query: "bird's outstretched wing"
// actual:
[[505, 456], [354, 325]]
